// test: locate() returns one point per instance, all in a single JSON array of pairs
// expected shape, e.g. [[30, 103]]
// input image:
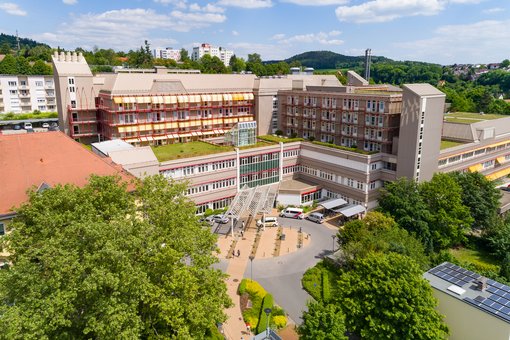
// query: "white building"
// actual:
[[213, 51], [167, 53], [23, 93]]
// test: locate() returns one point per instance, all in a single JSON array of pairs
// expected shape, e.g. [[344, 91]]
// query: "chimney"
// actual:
[[62, 56], [80, 56], [368, 60], [481, 284], [74, 57], [55, 55], [68, 56]]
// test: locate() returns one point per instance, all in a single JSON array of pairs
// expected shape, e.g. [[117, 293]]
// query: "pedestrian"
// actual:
[[248, 328], [243, 225], [233, 253], [242, 233], [238, 253]]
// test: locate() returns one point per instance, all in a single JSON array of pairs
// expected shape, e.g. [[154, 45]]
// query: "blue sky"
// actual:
[[440, 31]]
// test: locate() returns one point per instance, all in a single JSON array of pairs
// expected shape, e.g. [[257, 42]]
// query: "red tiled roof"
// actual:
[[31, 159]]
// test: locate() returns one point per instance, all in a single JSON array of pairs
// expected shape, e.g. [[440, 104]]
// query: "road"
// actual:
[[281, 276]]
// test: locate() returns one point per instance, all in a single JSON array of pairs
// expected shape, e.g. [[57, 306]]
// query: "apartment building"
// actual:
[[27, 93], [213, 51], [159, 107], [167, 53]]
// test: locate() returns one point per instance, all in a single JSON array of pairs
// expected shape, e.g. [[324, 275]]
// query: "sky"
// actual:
[[438, 31]]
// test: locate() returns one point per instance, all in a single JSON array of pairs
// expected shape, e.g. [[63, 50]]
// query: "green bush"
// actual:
[[311, 282], [326, 290], [279, 321], [266, 303], [214, 334], [255, 290], [242, 287]]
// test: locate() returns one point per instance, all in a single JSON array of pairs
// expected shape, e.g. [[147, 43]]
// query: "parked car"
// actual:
[[17, 127], [507, 188], [268, 221], [46, 125], [27, 126], [292, 213], [220, 219], [316, 217]]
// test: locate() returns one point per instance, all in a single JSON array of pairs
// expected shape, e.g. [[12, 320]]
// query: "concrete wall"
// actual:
[[420, 132], [467, 322]]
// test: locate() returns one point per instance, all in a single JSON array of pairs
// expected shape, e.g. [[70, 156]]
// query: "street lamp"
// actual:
[[333, 237], [267, 311], [251, 266]]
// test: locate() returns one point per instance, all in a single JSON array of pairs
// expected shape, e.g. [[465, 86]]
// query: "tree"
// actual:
[[22, 66], [449, 217], [401, 199], [40, 67], [184, 55], [322, 322], [379, 233], [5, 48], [385, 296], [213, 65], [8, 65], [505, 63], [480, 196], [237, 64], [254, 58], [99, 262]]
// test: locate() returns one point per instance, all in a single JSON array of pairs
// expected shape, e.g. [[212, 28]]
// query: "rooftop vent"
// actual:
[[481, 283]]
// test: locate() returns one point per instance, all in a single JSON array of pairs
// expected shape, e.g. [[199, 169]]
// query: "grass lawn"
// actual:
[[278, 139], [470, 117], [478, 257], [185, 150], [446, 144]]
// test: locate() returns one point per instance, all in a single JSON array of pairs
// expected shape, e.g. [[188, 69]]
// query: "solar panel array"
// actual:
[[498, 303], [454, 274]]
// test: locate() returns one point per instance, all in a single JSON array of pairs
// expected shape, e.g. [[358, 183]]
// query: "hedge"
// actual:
[[242, 287], [326, 290], [268, 302]]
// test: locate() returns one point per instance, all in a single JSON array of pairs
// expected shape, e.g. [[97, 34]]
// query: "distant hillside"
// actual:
[[24, 42], [321, 60]]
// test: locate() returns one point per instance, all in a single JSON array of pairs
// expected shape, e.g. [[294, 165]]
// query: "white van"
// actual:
[[316, 217], [27, 126], [292, 213], [268, 221]]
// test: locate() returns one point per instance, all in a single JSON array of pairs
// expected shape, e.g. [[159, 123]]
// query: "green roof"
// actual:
[[186, 150], [470, 117], [446, 144]]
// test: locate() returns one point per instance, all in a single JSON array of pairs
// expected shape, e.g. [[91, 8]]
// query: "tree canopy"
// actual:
[[385, 297], [322, 322], [99, 262]]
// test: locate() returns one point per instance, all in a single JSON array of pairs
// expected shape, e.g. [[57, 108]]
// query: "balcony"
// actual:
[[22, 87], [49, 86], [24, 95], [26, 104]]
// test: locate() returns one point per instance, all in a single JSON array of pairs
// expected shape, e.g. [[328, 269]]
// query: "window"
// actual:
[[39, 83], [71, 81], [71, 89], [12, 83], [73, 104], [2, 228]]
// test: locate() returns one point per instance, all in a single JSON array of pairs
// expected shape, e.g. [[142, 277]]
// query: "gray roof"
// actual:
[[424, 89], [140, 156], [112, 145], [462, 284]]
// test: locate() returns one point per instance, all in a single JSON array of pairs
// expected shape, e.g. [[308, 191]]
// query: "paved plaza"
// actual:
[[279, 275]]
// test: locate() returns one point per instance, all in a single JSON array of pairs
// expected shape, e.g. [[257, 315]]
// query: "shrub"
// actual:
[[242, 287], [266, 303], [255, 289], [279, 321], [279, 132], [326, 290], [311, 282]]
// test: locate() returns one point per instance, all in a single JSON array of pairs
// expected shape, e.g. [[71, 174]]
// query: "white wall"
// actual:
[[289, 199]]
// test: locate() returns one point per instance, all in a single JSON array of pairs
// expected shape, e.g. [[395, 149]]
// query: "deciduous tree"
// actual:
[[322, 322], [99, 262], [386, 297]]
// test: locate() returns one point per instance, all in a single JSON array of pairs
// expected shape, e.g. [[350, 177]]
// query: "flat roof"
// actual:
[[462, 284], [51, 158], [296, 184], [470, 117], [112, 145]]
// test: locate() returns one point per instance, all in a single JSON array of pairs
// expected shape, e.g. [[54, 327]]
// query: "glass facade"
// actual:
[[260, 169], [242, 134]]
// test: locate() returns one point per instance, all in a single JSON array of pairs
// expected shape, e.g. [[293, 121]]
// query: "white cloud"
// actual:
[[70, 2], [125, 28], [493, 10], [479, 42], [317, 2], [266, 51], [246, 3], [387, 10], [235, 33], [323, 38], [210, 8], [12, 9]]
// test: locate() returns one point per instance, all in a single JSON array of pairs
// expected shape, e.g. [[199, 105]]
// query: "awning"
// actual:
[[182, 99], [208, 132], [227, 96], [248, 96], [160, 137], [170, 136], [475, 168], [333, 203], [185, 135], [199, 133], [131, 140], [140, 100], [158, 100], [117, 100], [194, 99], [193, 133], [216, 97], [498, 174], [500, 160], [146, 100], [170, 99], [351, 210]]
